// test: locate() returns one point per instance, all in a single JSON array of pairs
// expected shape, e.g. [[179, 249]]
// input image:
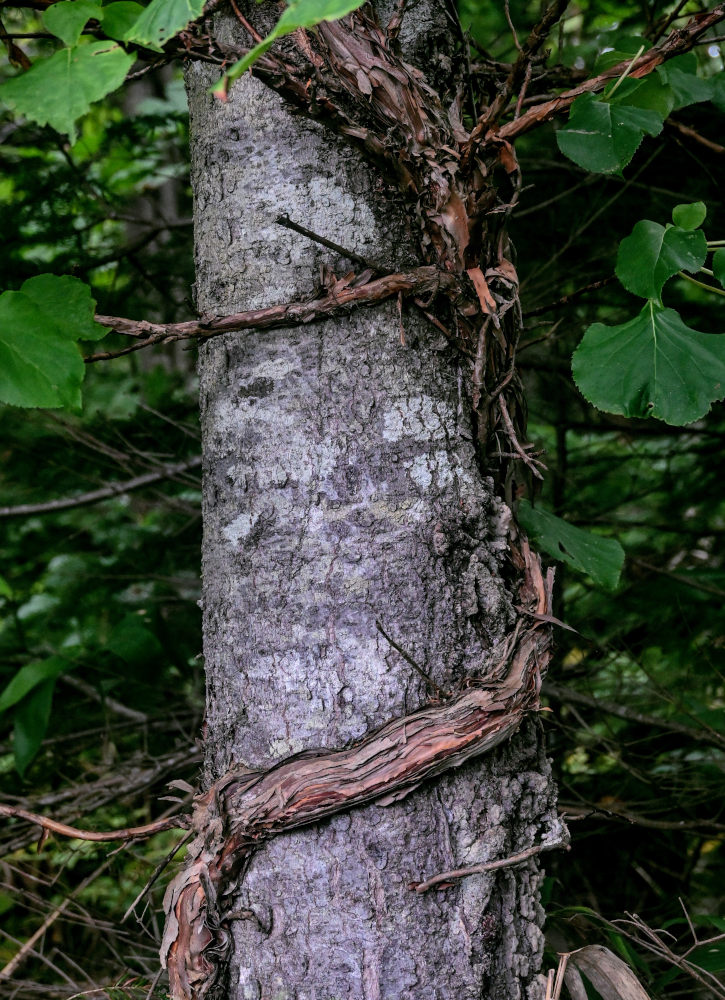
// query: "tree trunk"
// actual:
[[341, 488]]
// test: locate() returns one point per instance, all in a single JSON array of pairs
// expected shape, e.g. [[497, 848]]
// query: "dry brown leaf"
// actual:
[[609, 975], [504, 271], [488, 303], [507, 157], [575, 984]]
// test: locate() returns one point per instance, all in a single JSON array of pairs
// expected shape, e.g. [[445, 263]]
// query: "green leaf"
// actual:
[[689, 216], [31, 722], [299, 14], [119, 18], [56, 91], [67, 19], [603, 138], [135, 643], [687, 87], [68, 302], [600, 558], [650, 92], [163, 19], [308, 13], [40, 364], [718, 266], [651, 254], [29, 677], [718, 91], [623, 51], [652, 365]]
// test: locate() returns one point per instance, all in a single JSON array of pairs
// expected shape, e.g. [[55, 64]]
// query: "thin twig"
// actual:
[[488, 866], [176, 822], [565, 694], [511, 433], [512, 28], [157, 871], [679, 41], [409, 659], [701, 828], [154, 984], [669, 20], [522, 66], [110, 704], [691, 133], [95, 496], [245, 23], [284, 220], [566, 300]]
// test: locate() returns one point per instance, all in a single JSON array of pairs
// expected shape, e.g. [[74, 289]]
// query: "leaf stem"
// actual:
[[624, 75], [708, 288]]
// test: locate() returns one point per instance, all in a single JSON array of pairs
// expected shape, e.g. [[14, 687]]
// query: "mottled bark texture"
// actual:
[[341, 487]]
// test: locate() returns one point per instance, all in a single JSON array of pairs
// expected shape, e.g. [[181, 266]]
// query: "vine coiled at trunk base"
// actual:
[[246, 807]]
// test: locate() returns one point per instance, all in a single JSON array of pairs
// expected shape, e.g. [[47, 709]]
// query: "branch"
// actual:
[[94, 496], [566, 300], [691, 133], [573, 810], [679, 41], [537, 37], [129, 833], [344, 294], [566, 694], [488, 866]]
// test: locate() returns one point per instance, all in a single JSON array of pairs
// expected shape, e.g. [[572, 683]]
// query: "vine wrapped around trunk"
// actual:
[[246, 807]]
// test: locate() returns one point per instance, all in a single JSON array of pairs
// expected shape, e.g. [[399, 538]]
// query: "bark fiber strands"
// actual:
[[245, 808]]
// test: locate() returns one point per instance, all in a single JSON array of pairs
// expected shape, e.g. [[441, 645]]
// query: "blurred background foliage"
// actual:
[[636, 729]]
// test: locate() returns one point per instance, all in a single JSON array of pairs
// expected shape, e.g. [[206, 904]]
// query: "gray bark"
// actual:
[[340, 486]]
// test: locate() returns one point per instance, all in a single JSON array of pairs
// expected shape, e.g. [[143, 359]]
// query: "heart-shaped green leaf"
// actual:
[[40, 364], [603, 137], [681, 76], [689, 216], [120, 18], [56, 91], [652, 253], [67, 19], [652, 365], [650, 91], [163, 19]]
